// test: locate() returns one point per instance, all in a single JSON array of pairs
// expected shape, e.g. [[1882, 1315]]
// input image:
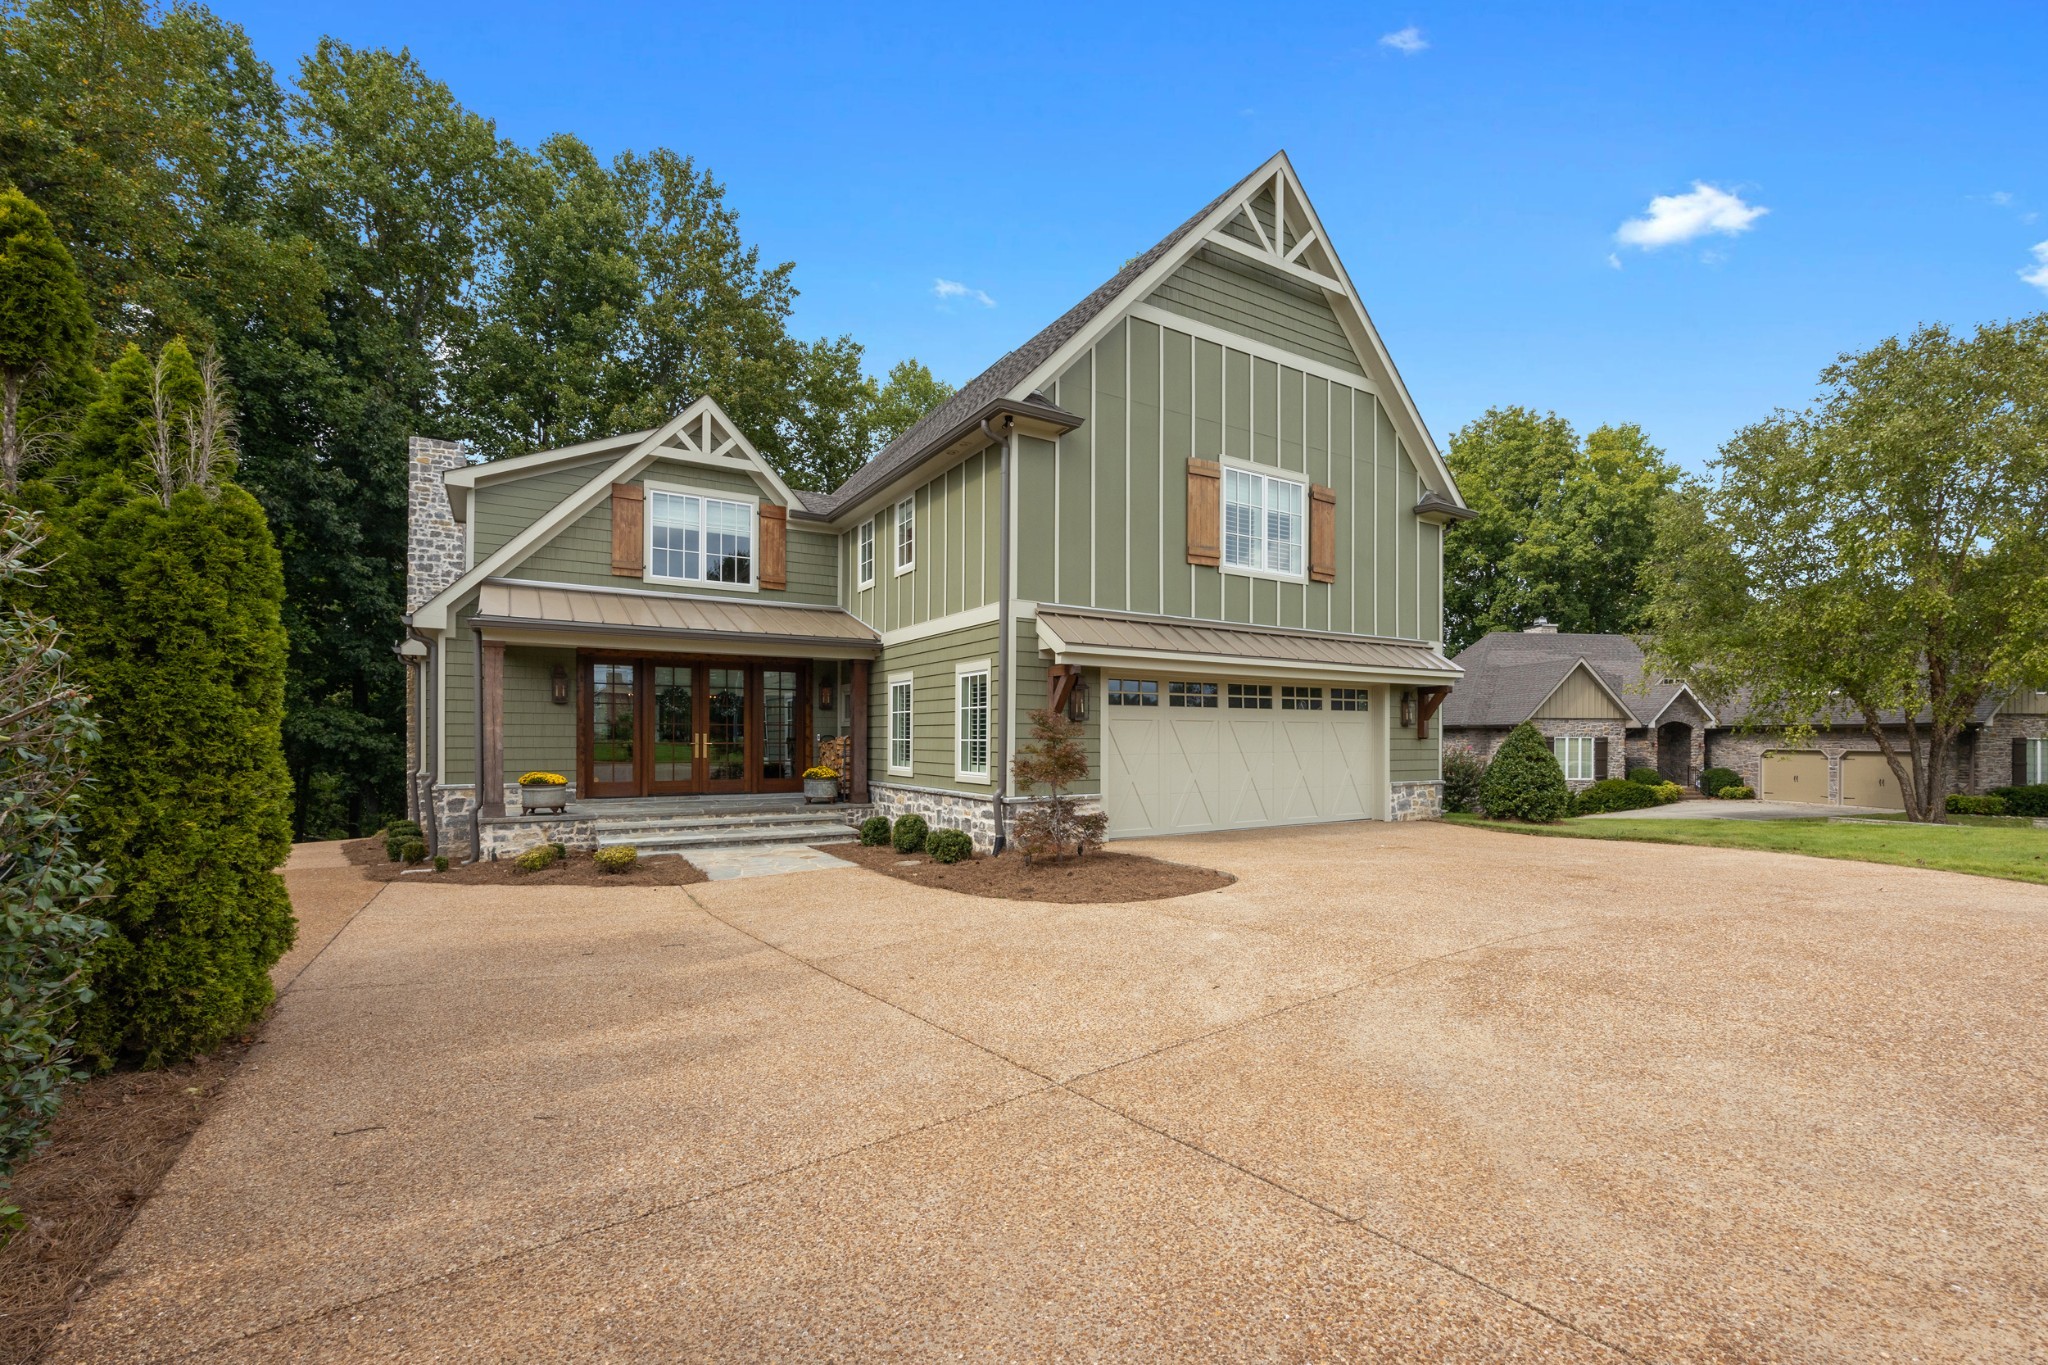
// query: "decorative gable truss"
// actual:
[[1272, 226]]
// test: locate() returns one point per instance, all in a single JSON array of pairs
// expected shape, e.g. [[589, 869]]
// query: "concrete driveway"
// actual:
[[1401, 1092]]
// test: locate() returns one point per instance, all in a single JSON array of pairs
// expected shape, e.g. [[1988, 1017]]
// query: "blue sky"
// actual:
[[1476, 173]]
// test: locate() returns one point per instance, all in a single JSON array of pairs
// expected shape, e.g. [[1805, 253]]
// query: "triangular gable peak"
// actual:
[[1581, 668]]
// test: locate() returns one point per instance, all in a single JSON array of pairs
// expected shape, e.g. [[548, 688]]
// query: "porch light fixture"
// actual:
[[1408, 707], [1077, 701], [558, 686], [825, 695]]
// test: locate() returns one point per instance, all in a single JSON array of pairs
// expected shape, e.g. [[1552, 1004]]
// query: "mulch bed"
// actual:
[[114, 1138], [575, 870], [1098, 879]]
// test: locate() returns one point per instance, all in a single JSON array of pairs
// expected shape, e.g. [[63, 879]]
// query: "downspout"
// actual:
[[430, 815], [1004, 634], [476, 723]]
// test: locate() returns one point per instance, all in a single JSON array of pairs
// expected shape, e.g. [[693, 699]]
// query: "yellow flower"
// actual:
[[542, 780]]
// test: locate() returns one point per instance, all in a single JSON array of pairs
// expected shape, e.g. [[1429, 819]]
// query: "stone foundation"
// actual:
[[957, 810], [1416, 801]]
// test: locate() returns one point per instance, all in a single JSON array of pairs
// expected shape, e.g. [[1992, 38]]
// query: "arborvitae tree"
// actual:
[[45, 327], [1524, 781], [182, 644]]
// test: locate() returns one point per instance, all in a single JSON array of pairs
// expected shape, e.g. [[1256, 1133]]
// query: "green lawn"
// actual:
[[2019, 855]]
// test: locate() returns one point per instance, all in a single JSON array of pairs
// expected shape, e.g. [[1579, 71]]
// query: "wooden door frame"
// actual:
[[755, 718]]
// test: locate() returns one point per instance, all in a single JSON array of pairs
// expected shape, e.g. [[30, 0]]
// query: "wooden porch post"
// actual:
[[857, 736], [490, 717]]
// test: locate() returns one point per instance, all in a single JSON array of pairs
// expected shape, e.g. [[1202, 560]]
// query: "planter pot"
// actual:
[[535, 799], [821, 789]]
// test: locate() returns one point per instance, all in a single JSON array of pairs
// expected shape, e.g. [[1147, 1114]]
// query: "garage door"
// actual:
[[1203, 764], [1868, 780], [1795, 775]]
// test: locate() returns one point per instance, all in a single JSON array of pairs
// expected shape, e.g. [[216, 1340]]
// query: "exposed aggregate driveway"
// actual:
[[1408, 1092]]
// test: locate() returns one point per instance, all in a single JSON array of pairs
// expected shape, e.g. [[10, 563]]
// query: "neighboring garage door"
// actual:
[[1170, 769], [1867, 780], [1795, 775]]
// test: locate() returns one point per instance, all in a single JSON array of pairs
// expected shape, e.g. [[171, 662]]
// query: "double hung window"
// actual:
[[906, 535], [1265, 524], [899, 724], [1575, 756], [864, 554], [695, 539], [971, 731]]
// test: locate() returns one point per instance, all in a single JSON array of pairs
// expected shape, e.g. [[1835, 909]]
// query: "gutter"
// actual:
[[1005, 630], [1038, 409]]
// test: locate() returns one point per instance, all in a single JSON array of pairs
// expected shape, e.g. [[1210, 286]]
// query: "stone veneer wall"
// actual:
[[1417, 801], [1483, 741], [434, 553], [1991, 763], [954, 810]]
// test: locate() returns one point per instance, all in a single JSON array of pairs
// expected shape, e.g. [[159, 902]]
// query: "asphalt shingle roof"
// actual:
[[1509, 673]]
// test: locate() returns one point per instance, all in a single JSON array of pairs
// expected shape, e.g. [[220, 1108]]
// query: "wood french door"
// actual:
[[658, 726]]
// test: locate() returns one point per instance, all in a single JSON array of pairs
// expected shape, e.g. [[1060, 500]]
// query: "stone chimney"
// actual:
[[1543, 626], [433, 542]]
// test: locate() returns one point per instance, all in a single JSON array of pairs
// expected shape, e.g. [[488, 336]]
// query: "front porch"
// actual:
[[671, 824]]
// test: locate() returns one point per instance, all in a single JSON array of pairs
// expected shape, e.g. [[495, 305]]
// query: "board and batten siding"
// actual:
[[957, 532], [1580, 697], [931, 662], [581, 552], [1102, 511]]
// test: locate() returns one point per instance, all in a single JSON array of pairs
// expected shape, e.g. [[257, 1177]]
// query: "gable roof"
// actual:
[[1511, 673]]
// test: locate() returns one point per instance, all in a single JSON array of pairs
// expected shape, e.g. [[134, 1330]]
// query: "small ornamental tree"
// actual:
[[1524, 782], [45, 324], [1054, 759], [1463, 772], [46, 882]]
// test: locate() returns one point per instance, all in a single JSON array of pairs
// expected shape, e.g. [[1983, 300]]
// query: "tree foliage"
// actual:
[[46, 882], [1523, 781], [1054, 759], [1878, 556], [1562, 530], [45, 327]]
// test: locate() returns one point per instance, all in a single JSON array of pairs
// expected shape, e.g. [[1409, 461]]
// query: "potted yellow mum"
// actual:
[[542, 791], [821, 784]]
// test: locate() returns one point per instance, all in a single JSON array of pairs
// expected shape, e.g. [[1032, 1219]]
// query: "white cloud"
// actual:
[[1614, 260], [945, 291], [1406, 41], [2038, 276], [1675, 218], [2001, 197]]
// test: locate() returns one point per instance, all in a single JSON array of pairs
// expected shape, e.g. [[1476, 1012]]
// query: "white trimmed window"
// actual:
[[899, 724], [906, 535], [970, 683], [695, 539], [1575, 756], [2037, 762], [864, 554], [1265, 524]]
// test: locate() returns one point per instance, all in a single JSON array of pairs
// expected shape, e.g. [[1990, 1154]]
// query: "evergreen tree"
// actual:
[[45, 327], [1524, 781]]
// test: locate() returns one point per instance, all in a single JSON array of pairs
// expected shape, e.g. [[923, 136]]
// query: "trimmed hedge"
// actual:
[[1524, 782], [618, 858], [1714, 779], [398, 834], [1975, 805], [874, 831], [1736, 793], [949, 845], [413, 851], [909, 833], [1647, 777], [1613, 794], [541, 858], [2024, 800]]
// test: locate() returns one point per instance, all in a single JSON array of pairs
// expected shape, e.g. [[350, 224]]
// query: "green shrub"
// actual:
[[414, 851], [1736, 793], [1975, 805], [909, 833], [1648, 777], [2024, 800], [874, 831], [1714, 779], [949, 845], [1463, 771], [440, 862], [1524, 782], [538, 859], [617, 858], [1667, 792], [1613, 794], [397, 834]]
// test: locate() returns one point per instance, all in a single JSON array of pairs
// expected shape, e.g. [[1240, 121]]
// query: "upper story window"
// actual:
[[1265, 524], [864, 554], [695, 539], [906, 535]]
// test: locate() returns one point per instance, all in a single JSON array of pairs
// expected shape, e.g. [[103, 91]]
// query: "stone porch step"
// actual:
[[729, 836], [613, 829]]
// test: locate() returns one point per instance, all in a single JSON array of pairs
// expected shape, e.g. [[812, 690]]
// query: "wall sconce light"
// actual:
[[1407, 708], [1077, 701], [825, 694], [558, 686]]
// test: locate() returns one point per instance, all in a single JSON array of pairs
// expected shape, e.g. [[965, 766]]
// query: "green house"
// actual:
[[1198, 512]]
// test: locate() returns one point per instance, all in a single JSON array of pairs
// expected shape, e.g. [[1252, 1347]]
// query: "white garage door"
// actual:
[[1203, 764]]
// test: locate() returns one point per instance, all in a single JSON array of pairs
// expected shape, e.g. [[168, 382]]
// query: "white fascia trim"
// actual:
[[647, 573], [968, 670], [908, 680], [1174, 322], [491, 471], [1592, 672], [941, 625], [1685, 690]]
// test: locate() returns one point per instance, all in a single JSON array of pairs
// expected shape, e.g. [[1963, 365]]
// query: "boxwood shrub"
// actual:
[[2024, 800], [1648, 777], [540, 858], [1975, 805], [1714, 779], [616, 859], [909, 833], [949, 845], [1524, 782], [1737, 793], [1611, 794], [874, 831]]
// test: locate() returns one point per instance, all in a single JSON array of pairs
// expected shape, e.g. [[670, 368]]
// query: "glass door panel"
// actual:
[[613, 729], [725, 729], [675, 728], [780, 697]]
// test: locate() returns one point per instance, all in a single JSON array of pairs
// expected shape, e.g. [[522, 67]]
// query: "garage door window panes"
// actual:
[[1347, 699], [1263, 523], [1575, 756], [1195, 694], [899, 725], [1133, 692], [1301, 699], [1251, 697]]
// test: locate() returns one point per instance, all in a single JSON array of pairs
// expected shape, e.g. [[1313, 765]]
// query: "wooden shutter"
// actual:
[[774, 562], [2019, 763], [1205, 512], [629, 537], [1600, 758], [1322, 533]]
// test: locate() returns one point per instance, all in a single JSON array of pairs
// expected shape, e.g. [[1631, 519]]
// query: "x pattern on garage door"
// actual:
[[1170, 769]]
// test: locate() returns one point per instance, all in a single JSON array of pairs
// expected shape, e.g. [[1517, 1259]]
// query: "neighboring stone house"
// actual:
[[1606, 713], [1198, 512]]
